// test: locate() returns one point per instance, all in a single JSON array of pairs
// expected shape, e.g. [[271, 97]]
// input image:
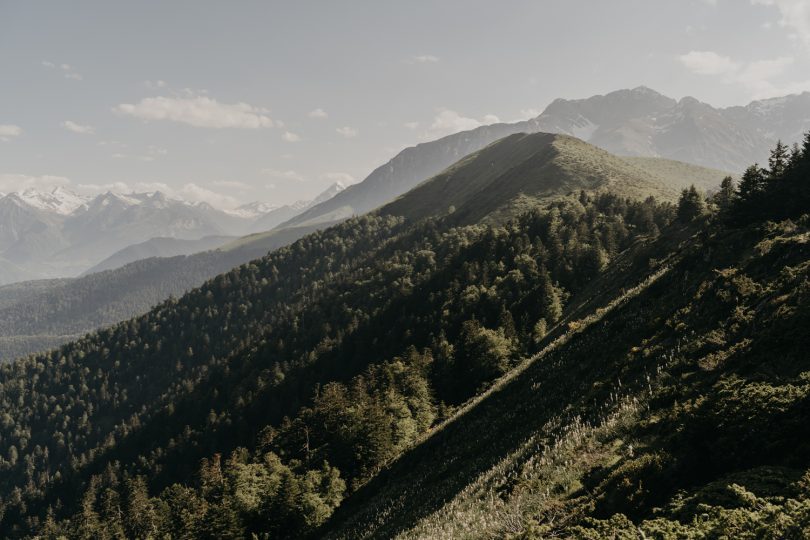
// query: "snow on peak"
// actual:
[[58, 200], [252, 210]]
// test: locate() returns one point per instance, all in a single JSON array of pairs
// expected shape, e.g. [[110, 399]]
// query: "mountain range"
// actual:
[[532, 343], [60, 234], [638, 122]]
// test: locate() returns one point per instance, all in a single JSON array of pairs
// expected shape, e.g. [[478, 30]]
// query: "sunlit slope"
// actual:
[[498, 182]]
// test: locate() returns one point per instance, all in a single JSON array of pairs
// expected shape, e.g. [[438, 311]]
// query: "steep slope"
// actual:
[[287, 212], [403, 172], [636, 122], [252, 345], [673, 394], [496, 182]]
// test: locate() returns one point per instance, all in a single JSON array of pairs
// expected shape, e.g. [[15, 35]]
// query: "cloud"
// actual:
[[21, 182], [66, 69], [195, 193], [198, 111], [344, 178], [231, 184], [795, 15], [348, 132], [77, 128], [757, 76], [154, 85], [291, 137], [411, 125], [708, 63], [423, 59], [527, 114], [284, 175], [9, 131], [447, 122], [318, 113]]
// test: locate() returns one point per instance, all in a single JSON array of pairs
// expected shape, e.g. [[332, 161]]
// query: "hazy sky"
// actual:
[[236, 101]]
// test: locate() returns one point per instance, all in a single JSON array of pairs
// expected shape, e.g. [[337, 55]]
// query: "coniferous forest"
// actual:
[[587, 366]]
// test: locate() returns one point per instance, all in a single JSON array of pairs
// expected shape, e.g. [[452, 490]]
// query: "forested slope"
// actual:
[[565, 368]]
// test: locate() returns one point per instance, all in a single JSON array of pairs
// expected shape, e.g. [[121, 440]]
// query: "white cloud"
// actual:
[[757, 76], [447, 122], [198, 111], [708, 63], [347, 131], [795, 14], [342, 177], [153, 85], [67, 70], [284, 175], [318, 113], [77, 128], [291, 137], [411, 125], [21, 182], [423, 59], [195, 193], [230, 184], [527, 114], [9, 131]]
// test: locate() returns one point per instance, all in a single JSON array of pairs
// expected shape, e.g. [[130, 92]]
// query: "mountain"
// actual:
[[481, 188], [642, 122], [58, 200], [158, 247], [587, 362], [638, 122], [277, 216], [520, 171], [59, 234]]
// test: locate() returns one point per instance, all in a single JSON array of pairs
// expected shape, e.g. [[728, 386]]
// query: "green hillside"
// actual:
[[680, 175], [594, 366], [518, 171]]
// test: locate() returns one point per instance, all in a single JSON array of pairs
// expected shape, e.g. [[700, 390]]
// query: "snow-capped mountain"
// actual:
[[58, 200], [252, 210], [57, 233]]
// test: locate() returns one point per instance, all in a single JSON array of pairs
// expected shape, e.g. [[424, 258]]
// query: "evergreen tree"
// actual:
[[724, 198], [778, 161], [690, 205]]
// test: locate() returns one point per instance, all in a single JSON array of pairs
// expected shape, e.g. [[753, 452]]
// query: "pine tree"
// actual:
[[725, 197], [749, 201], [778, 161], [690, 205]]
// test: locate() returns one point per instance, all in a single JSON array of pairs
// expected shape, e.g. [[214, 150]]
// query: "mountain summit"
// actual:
[[638, 122]]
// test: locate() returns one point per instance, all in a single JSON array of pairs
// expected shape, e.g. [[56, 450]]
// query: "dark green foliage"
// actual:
[[359, 335], [780, 192], [690, 205]]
